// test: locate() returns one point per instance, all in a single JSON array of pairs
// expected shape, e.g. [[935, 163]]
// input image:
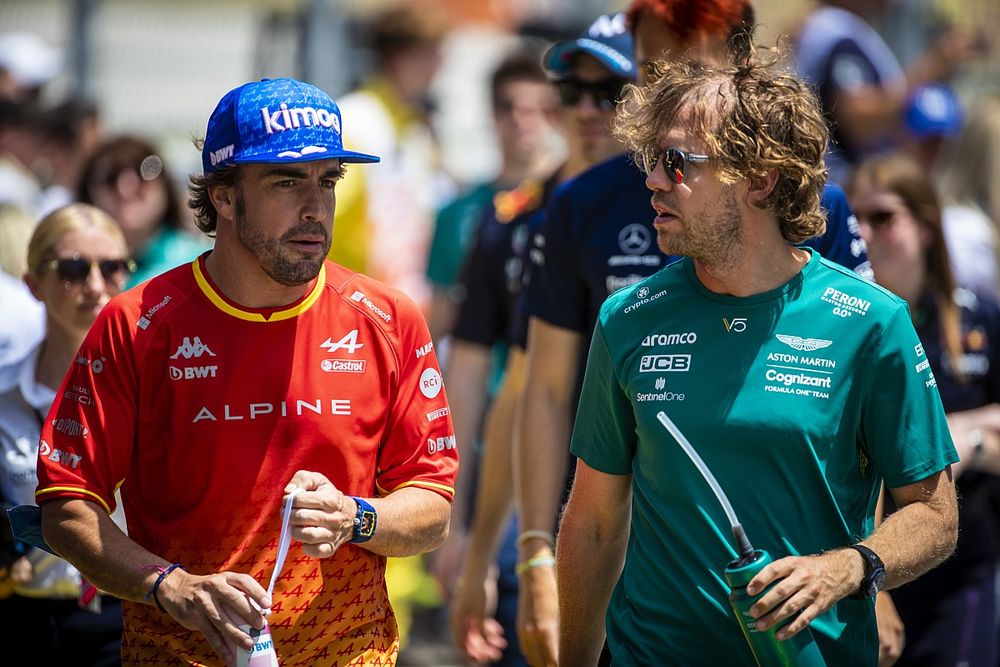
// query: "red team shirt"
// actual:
[[202, 410]]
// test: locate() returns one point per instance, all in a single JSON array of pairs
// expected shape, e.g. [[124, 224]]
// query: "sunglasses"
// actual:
[[76, 270], [605, 93], [675, 162], [877, 219]]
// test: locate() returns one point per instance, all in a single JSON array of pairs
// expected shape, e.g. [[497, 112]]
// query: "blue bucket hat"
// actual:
[[933, 110], [607, 39], [275, 121]]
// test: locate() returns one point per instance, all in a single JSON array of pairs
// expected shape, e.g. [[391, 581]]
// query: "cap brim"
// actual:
[[559, 58], [291, 157]]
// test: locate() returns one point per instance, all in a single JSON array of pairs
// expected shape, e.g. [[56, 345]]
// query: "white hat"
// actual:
[[28, 59]]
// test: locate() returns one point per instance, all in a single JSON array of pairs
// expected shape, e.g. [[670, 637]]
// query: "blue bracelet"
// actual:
[[156, 584]]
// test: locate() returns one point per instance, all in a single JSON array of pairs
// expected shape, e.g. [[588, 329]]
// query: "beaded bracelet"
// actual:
[[164, 571], [531, 563]]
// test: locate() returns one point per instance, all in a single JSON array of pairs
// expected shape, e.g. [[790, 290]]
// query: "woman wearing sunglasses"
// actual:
[[949, 614], [77, 262]]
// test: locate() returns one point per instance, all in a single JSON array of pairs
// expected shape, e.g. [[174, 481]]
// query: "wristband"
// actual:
[[532, 563], [536, 534], [156, 584]]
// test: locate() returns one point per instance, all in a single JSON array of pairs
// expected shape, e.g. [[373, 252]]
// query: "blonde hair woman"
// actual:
[[77, 261]]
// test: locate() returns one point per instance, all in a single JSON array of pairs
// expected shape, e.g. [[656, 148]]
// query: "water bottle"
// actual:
[[262, 653], [769, 651]]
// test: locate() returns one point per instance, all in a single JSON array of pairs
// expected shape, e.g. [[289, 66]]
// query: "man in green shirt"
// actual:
[[802, 386]]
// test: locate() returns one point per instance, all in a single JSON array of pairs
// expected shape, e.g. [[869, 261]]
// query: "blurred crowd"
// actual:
[[86, 213]]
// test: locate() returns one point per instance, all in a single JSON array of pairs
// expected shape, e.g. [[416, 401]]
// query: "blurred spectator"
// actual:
[[71, 132], [950, 613], [385, 216], [20, 191], [26, 64], [77, 262], [524, 106], [861, 85], [127, 178], [970, 182], [22, 319], [932, 116]]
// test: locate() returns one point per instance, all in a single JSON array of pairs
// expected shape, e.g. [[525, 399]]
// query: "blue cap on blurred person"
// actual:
[[275, 121], [607, 39], [933, 110]]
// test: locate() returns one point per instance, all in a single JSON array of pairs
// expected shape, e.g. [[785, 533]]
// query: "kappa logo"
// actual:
[[192, 349], [803, 344], [737, 324], [349, 342]]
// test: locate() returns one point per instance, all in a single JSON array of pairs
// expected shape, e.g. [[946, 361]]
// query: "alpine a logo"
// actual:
[[803, 344], [349, 342], [283, 118], [191, 349]]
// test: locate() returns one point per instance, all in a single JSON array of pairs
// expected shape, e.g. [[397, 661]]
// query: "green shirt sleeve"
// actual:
[[604, 434], [903, 422]]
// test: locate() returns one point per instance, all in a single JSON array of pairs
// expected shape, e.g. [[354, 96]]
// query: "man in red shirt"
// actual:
[[213, 391]]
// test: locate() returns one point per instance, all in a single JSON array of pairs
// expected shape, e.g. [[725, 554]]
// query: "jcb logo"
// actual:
[[737, 324], [655, 363]]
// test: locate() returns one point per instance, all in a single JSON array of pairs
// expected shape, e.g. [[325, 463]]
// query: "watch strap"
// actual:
[[873, 568], [365, 521]]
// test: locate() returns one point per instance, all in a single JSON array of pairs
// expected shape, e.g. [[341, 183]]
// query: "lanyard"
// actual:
[[284, 540]]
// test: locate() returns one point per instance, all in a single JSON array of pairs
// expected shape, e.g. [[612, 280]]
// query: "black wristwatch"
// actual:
[[874, 578], [365, 521]]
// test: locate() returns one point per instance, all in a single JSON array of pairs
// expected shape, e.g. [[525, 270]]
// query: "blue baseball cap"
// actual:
[[607, 39], [933, 110], [275, 121]]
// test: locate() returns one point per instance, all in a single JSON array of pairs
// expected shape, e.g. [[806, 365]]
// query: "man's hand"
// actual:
[[475, 630], [891, 638], [538, 617], [215, 605], [322, 516], [806, 585], [445, 562]]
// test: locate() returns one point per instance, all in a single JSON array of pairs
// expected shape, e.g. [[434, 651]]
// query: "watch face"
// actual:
[[878, 580]]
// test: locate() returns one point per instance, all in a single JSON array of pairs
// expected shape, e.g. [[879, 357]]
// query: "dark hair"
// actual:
[[125, 153], [752, 117], [64, 123], [404, 26], [199, 201], [522, 65]]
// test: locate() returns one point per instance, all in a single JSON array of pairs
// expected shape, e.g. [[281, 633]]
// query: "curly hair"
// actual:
[[752, 117], [199, 201], [685, 18]]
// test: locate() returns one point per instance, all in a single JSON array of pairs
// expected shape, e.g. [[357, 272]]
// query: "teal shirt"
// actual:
[[168, 248], [454, 232], [801, 400]]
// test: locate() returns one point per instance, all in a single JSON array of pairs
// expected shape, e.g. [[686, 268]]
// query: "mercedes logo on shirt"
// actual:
[[634, 239]]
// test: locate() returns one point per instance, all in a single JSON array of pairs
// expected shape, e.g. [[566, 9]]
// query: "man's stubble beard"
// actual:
[[268, 251], [714, 236]]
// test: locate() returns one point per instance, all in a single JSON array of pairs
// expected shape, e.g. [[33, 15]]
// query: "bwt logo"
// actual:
[[193, 373], [221, 154], [297, 117], [435, 445], [67, 459], [655, 363]]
